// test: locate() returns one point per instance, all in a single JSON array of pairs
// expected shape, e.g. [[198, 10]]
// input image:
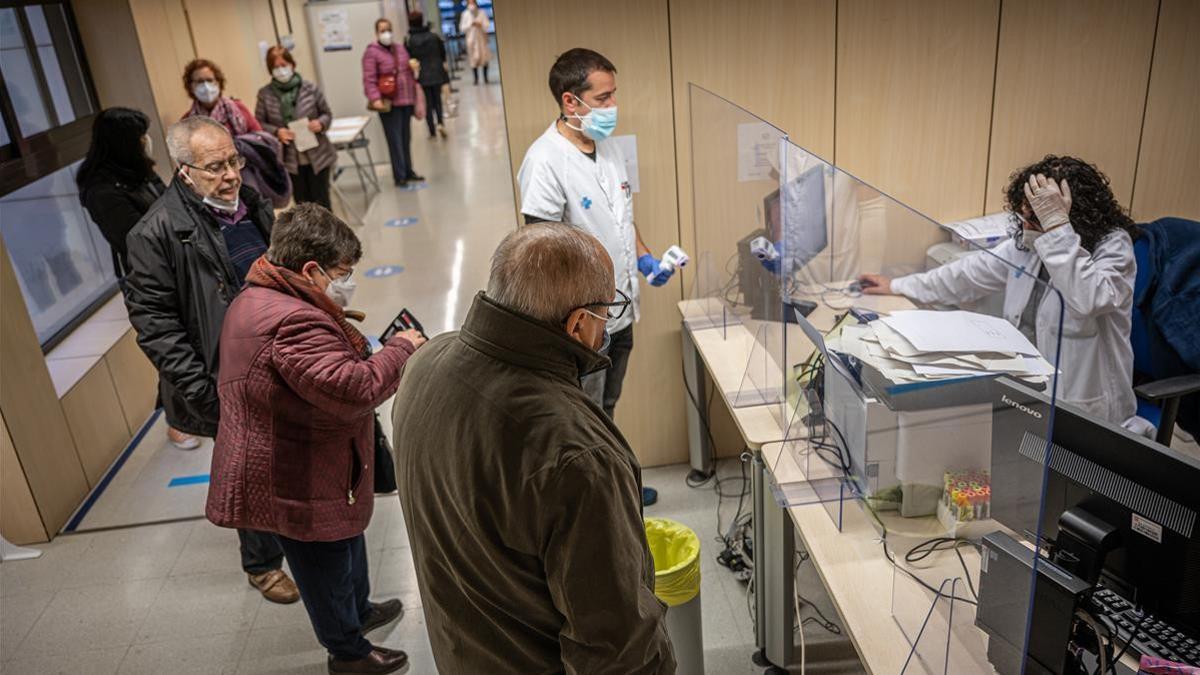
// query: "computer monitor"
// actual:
[[1149, 494], [805, 233]]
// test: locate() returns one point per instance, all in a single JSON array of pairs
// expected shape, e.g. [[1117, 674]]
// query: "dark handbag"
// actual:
[[385, 466]]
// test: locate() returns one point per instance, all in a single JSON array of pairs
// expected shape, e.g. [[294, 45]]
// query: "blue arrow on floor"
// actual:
[[401, 222], [198, 479]]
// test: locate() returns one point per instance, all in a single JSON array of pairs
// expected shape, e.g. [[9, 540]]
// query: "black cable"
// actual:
[[824, 621], [1112, 664], [888, 554], [930, 546]]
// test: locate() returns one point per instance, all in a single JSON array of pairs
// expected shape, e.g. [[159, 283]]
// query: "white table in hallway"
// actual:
[[348, 135]]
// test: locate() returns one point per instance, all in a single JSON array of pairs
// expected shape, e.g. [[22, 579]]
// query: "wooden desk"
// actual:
[[851, 563]]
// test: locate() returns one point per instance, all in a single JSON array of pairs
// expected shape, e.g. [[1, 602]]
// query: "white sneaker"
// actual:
[[181, 440]]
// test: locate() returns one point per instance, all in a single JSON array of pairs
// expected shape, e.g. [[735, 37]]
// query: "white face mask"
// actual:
[[340, 290], [215, 202], [206, 92], [283, 74], [385, 38], [148, 145]]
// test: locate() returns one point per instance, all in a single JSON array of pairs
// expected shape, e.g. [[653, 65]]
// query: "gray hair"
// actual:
[[179, 136], [310, 232], [545, 270]]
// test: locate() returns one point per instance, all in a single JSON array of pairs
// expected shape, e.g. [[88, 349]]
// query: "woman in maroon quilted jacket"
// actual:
[[294, 453]]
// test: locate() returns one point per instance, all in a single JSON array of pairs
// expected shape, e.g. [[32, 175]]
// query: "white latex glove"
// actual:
[[1050, 202]]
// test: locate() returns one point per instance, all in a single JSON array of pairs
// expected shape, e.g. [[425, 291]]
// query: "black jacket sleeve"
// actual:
[[153, 302], [114, 213]]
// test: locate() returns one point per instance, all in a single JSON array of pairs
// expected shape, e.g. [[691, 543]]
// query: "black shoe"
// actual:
[[379, 661], [414, 178], [382, 613], [649, 496]]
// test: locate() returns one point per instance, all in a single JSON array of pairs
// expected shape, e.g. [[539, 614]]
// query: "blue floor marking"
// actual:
[[198, 479], [108, 476]]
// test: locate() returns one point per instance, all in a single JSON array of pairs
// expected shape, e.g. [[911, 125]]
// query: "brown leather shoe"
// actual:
[[381, 614], [276, 586], [378, 661]]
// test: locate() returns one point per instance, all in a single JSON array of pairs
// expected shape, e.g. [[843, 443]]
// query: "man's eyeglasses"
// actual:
[[613, 310], [237, 162]]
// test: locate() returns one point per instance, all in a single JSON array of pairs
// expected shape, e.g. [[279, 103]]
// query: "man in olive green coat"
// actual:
[[521, 497]]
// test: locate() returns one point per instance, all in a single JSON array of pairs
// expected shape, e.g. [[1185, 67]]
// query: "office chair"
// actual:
[[1162, 376]]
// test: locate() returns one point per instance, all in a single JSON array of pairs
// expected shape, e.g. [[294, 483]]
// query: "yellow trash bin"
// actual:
[[676, 551]]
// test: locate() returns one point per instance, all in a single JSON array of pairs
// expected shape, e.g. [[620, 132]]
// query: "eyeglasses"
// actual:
[[237, 162], [613, 310]]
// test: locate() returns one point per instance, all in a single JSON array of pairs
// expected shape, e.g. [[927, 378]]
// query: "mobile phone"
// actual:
[[403, 321]]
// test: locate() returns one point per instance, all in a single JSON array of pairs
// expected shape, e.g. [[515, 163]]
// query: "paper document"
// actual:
[[958, 331], [305, 139]]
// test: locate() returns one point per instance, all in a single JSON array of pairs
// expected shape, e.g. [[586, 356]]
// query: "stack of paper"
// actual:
[[920, 345], [983, 232]]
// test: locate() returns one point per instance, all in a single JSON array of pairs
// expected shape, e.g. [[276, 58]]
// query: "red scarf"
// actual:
[[263, 273], [226, 112]]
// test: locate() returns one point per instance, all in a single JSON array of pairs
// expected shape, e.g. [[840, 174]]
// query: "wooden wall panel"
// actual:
[[1168, 173], [166, 43], [914, 98], [19, 519], [115, 59], [631, 33], [94, 417], [35, 420], [1071, 78], [135, 381], [784, 75]]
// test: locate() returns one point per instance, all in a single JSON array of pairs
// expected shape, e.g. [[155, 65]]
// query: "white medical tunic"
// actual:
[[1096, 313], [560, 183]]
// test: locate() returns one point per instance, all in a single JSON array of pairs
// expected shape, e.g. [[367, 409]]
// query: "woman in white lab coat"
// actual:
[[474, 25], [1070, 232]]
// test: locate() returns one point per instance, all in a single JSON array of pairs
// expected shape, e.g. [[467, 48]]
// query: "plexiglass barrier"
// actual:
[[918, 426]]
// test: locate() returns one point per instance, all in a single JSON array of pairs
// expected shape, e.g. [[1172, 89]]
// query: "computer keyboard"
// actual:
[[1154, 638]]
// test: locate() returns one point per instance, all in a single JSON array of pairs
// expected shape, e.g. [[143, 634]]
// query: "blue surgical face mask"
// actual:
[[598, 124]]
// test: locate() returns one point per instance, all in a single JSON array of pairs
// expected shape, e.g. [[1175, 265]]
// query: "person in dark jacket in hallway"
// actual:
[[521, 496], [289, 97], [429, 50], [117, 185], [294, 456], [188, 258]]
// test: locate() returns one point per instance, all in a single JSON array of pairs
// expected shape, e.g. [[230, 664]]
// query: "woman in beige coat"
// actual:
[[474, 25]]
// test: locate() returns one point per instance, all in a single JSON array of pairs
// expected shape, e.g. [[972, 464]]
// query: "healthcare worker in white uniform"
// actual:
[[575, 173], [1075, 236]]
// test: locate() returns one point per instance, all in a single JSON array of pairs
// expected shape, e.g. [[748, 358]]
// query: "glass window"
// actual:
[[62, 267], [20, 78], [49, 60]]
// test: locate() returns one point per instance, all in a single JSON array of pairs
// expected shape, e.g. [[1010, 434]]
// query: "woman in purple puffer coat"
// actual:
[[386, 61]]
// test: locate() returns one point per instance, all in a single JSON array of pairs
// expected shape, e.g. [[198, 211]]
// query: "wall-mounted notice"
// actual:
[[335, 30], [628, 146], [756, 141]]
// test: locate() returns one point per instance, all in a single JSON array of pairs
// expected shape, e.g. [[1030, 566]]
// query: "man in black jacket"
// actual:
[[188, 258]]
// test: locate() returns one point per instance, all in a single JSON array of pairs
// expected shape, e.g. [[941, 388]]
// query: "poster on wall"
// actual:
[[628, 146], [756, 142], [335, 30]]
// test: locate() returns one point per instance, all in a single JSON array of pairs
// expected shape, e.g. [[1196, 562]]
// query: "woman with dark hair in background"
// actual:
[[286, 98], [1069, 231], [391, 90], [117, 185], [429, 50]]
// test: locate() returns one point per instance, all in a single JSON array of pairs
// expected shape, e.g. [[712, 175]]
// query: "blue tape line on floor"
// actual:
[[384, 271], [84, 508], [198, 479], [401, 222]]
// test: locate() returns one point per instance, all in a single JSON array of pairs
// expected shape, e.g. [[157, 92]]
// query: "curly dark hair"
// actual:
[[1095, 211], [197, 64]]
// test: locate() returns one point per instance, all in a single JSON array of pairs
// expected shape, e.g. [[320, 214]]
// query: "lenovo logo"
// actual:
[[1028, 411]]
